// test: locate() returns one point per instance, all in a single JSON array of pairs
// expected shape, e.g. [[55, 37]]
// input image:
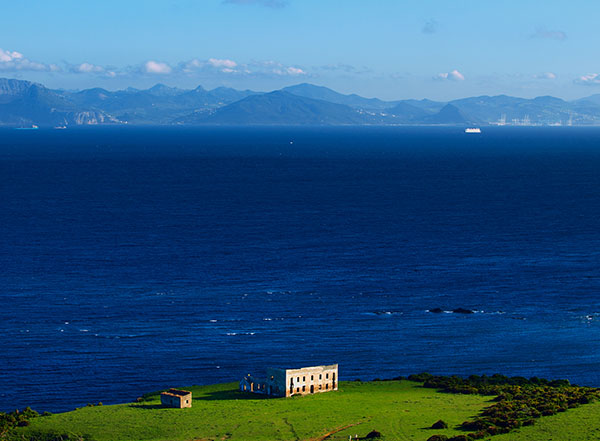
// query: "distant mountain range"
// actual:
[[24, 104]]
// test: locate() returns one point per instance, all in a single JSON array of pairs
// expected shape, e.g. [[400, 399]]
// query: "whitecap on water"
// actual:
[[383, 313]]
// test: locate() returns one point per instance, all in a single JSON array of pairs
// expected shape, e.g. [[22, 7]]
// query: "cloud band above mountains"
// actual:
[[223, 68], [13, 61]]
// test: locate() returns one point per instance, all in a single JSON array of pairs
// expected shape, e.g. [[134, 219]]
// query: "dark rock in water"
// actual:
[[436, 310], [373, 434], [462, 311], [439, 424]]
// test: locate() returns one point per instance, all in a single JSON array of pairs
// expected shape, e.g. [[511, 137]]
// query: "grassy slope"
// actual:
[[400, 410], [580, 424]]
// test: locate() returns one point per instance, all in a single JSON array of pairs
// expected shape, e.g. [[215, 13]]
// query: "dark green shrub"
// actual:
[[460, 438], [438, 438], [420, 378], [373, 434], [439, 424]]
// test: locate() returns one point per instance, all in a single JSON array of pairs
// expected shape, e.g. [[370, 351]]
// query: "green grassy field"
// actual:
[[580, 424], [399, 410]]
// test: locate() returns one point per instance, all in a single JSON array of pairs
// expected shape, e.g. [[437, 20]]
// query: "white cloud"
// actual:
[[545, 76], [231, 67], [211, 67], [295, 71], [195, 63], [589, 79], [229, 64], [8, 56], [11, 61], [270, 68], [87, 68], [156, 67], [453, 75]]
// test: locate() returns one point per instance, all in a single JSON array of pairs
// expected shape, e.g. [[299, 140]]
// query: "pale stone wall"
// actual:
[[288, 382], [178, 400], [311, 380]]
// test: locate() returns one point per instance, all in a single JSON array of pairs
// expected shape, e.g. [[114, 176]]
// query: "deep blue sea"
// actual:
[[135, 259]]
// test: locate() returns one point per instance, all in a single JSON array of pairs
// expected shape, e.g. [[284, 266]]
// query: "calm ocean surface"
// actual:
[[138, 259]]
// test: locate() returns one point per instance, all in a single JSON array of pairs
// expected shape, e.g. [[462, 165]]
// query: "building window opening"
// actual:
[[303, 388], [327, 386], [312, 377], [297, 389], [327, 376]]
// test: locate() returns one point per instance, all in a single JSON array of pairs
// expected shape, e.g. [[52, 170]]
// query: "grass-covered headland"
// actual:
[[424, 407]]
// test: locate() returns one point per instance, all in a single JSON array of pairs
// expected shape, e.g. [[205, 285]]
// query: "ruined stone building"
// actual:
[[288, 382], [176, 398]]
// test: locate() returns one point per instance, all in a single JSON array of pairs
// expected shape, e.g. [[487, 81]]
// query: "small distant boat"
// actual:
[[473, 130], [60, 127], [33, 127]]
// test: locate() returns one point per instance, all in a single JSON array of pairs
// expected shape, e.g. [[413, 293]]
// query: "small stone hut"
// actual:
[[176, 398], [288, 382]]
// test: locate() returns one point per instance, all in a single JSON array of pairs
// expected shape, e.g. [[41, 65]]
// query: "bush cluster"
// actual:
[[9, 422], [18, 418], [519, 401]]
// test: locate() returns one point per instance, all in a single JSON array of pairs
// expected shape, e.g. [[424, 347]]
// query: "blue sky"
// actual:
[[391, 49]]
